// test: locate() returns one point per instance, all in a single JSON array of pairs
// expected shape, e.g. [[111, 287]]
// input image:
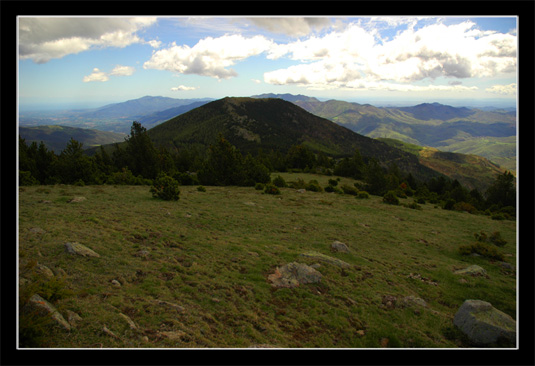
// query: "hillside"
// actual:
[[250, 124], [195, 273], [471, 171], [56, 137], [428, 124]]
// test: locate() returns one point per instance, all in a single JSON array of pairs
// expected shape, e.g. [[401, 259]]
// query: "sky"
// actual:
[[84, 62]]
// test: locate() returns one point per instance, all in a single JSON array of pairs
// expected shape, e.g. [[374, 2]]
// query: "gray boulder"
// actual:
[[338, 246], [293, 274], [473, 270], [326, 259], [43, 307], [484, 324]]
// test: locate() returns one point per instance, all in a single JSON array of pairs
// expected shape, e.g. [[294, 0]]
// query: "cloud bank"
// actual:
[[42, 39], [98, 75]]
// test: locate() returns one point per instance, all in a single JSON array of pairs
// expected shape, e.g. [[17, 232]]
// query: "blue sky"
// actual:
[[93, 61]]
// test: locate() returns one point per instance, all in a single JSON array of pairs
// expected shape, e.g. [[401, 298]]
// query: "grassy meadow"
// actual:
[[193, 272]]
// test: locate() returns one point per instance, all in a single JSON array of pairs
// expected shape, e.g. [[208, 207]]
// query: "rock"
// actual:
[[44, 271], [130, 322], [473, 270], [115, 283], [37, 230], [73, 318], [293, 274], [389, 301], [170, 304], [45, 308], [77, 199], [301, 191], [79, 249], [338, 246], [326, 259], [174, 336], [109, 332], [409, 301], [484, 324], [506, 265]]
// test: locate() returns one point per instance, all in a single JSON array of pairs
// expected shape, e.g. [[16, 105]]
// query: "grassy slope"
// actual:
[[211, 253]]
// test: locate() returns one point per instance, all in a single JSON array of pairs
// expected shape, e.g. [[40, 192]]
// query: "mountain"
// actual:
[[56, 137], [268, 123], [137, 107], [288, 97], [470, 170], [428, 124], [156, 118]]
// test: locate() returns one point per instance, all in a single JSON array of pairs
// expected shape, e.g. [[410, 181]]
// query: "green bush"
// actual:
[[298, 184], [495, 238], [390, 198], [363, 195], [166, 188], [201, 189], [333, 182], [279, 182], [270, 188], [464, 207], [498, 216], [353, 191], [313, 186], [482, 249], [259, 186], [449, 204]]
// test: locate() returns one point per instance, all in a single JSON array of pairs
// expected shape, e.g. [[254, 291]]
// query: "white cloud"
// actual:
[[292, 26], [353, 57], [209, 57], [183, 88], [503, 89], [98, 75], [44, 38]]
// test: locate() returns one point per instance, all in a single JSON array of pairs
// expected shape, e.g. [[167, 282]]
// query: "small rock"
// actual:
[[109, 332], [326, 259], [293, 274], [506, 265], [130, 322], [409, 301], [115, 283], [37, 230], [301, 190], [338, 246], [473, 270], [170, 304], [79, 249], [73, 318], [361, 332], [44, 271], [77, 199], [174, 336], [389, 301], [484, 324]]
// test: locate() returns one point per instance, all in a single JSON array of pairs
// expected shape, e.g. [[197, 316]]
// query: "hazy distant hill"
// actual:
[[57, 137], [251, 123]]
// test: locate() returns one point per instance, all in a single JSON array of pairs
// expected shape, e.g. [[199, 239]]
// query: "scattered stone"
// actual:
[[37, 230], [77, 199], [130, 322], [409, 301], [174, 336], [389, 301], [170, 304], [301, 190], [326, 259], [506, 265], [79, 249], [44, 271], [361, 332], [484, 324], [338, 246], [45, 308], [293, 274], [115, 283], [73, 318], [142, 254], [473, 270], [109, 332], [254, 254], [417, 276]]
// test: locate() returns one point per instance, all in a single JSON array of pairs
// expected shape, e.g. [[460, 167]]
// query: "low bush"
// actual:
[[495, 238], [363, 195], [390, 198], [313, 186], [333, 182], [166, 188], [464, 207], [259, 186], [279, 182], [349, 190], [201, 189], [298, 184], [482, 249], [270, 188]]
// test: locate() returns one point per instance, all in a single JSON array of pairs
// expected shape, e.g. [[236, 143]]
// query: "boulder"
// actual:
[[79, 249], [293, 274], [326, 259], [77, 199], [43, 307], [484, 324], [473, 270], [338, 246]]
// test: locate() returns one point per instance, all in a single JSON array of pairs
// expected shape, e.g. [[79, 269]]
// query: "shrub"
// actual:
[[270, 188], [279, 182], [449, 204], [350, 190], [166, 188], [466, 207], [333, 182], [331, 189], [413, 206], [298, 184], [498, 216], [186, 179], [201, 189], [313, 186], [482, 249], [390, 198], [363, 195], [496, 239], [420, 201], [259, 186]]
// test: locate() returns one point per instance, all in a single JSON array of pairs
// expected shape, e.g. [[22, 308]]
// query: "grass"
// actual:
[[211, 252]]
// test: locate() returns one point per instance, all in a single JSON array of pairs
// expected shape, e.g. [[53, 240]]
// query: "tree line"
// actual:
[[139, 162]]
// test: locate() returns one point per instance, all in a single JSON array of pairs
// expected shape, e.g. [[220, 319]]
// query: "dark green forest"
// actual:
[[138, 161]]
